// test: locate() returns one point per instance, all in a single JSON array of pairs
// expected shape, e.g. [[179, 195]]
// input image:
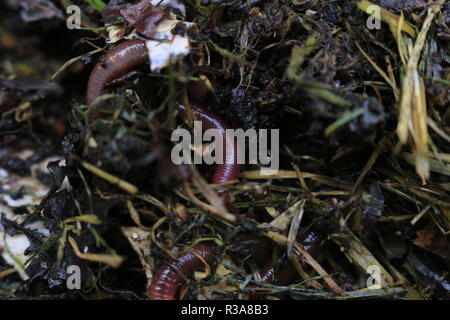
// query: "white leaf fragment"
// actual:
[[14, 246], [170, 48], [32, 191], [140, 241], [175, 4]]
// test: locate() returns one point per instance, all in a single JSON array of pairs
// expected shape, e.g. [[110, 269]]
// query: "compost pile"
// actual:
[[91, 205]]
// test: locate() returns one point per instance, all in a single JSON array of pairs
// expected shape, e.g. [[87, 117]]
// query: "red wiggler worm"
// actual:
[[134, 52], [167, 278], [229, 169], [113, 64]]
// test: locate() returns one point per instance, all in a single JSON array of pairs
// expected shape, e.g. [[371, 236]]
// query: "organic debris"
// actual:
[[92, 205]]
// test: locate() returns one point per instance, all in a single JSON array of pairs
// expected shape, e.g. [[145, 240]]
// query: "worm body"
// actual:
[[228, 169], [133, 52], [167, 278], [113, 64]]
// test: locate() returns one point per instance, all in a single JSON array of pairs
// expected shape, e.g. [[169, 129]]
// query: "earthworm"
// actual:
[[166, 280], [229, 168], [133, 52], [113, 64]]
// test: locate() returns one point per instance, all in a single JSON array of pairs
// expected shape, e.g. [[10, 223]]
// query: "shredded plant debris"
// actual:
[[92, 205]]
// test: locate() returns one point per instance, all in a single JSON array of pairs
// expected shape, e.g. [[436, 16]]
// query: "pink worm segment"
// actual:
[[113, 64], [167, 278], [228, 169], [134, 52]]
